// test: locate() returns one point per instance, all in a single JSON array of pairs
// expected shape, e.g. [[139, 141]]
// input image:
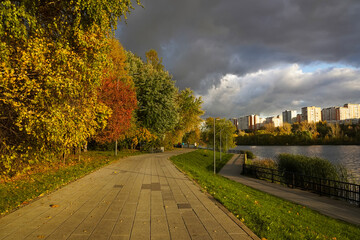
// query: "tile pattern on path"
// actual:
[[140, 197]]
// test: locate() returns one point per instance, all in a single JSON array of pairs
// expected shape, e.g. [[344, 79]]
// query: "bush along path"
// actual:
[[267, 216]]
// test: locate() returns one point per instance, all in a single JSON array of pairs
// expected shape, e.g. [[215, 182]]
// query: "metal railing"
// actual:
[[235, 151], [327, 187]]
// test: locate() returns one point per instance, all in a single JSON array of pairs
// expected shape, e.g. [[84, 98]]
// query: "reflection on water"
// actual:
[[347, 155]]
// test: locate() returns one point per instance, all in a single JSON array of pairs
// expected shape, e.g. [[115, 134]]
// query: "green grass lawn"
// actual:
[[267, 216], [19, 191]]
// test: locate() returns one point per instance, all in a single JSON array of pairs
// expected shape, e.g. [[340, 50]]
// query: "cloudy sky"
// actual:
[[253, 56]]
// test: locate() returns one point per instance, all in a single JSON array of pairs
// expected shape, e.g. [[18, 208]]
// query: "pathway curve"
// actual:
[[333, 208], [140, 197]]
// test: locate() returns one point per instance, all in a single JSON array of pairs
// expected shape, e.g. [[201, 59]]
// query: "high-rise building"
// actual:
[[329, 114], [311, 114], [243, 123], [354, 110], [235, 122], [250, 122], [289, 116], [277, 121], [342, 113]]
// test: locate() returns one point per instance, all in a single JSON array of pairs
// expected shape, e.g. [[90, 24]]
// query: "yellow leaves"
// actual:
[[49, 75]]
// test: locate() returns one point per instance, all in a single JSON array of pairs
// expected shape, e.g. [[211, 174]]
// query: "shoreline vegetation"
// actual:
[[304, 165], [269, 217], [303, 133], [20, 190], [308, 166]]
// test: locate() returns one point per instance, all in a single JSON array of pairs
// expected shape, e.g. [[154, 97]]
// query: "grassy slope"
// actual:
[[20, 191], [267, 216]]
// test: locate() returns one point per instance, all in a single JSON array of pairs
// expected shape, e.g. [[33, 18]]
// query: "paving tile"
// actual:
[[103, 230], [140, 197], [194, 226]]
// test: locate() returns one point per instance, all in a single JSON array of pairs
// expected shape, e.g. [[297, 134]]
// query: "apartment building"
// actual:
[[277, 121], [349, 113], [289, 116], [340, 114], [311, 114], [354, 110], [250, 122], [329, 114], [235, 122]]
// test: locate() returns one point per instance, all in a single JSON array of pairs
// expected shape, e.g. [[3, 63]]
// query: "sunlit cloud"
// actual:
[[269, 92]]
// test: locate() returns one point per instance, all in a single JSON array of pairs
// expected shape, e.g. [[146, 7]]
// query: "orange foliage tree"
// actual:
[[118, 93]]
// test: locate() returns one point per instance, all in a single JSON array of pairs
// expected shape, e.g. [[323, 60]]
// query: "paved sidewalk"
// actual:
[[333, 208], [140, 197]]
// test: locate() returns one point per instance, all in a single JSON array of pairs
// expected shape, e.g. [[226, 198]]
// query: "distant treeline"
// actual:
[[303, 133]]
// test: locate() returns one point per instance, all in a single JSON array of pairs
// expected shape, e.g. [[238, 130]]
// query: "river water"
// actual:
[[346, 155]]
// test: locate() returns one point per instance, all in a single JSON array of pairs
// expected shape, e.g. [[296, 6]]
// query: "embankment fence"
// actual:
[[350, 192]]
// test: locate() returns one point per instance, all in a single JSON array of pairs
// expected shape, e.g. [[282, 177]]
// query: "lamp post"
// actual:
[[214, 146], [214, 150], [226, 143], [220, 144]]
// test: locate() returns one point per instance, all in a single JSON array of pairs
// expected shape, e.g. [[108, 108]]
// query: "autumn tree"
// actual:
[[117, 93], [52, 58], [156, 94], [285, 128], [153, 59], [189, 108], [192, 137], [137, 135]]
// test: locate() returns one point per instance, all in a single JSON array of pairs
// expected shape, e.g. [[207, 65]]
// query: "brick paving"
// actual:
[[140, 197]]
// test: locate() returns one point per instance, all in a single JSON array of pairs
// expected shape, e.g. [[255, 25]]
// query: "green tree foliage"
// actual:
[[156, 94], [52, 58], [223, 127], [192, 137], [189, 108], [162, 109]]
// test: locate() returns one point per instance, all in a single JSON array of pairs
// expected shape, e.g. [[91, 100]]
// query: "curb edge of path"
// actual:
[[219, 205]]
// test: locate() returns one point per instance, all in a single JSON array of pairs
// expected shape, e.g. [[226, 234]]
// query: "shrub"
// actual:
[[266, 163], [249, 154], [310, 166]]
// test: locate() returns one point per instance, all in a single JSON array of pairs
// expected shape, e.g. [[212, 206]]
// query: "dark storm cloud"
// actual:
[[203, 40]]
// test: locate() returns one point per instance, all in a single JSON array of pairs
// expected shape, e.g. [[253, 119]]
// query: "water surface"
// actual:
[[347, 155]]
